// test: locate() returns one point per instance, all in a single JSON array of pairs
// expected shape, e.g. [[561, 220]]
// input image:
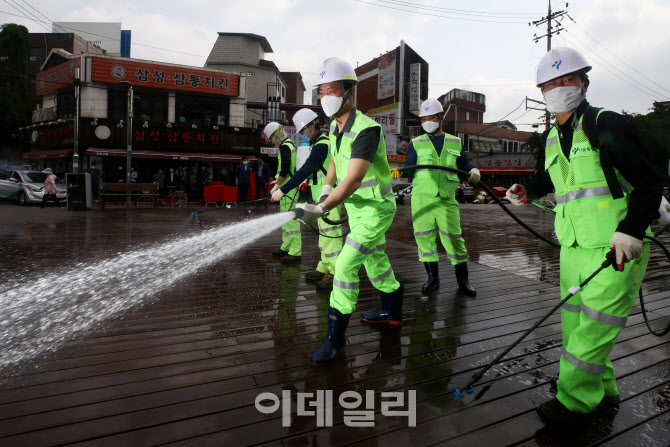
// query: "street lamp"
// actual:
[[129, 136]]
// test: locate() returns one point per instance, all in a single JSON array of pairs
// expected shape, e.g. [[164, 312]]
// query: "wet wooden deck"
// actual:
[[186, 369]]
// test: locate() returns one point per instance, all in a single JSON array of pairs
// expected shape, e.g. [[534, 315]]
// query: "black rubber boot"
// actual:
[[290, 259], [279, 253], [314, 275], [335, 339], [433, 277], [555, 415], [391, 310], [462, 280], [607, 402]]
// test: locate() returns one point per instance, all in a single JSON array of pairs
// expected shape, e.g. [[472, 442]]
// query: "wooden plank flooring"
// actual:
[[187, 367]]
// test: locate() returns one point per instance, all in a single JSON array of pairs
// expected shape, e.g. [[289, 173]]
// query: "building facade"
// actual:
[[42, 45], [184, 117], [106, 35]]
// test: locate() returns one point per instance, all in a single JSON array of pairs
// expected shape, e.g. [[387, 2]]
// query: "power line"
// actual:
[[22, 11], [465, 12], [623, 61], [106, 37], [435, 15], [36, 10], [551, 16], [493, 124], [585, 48]]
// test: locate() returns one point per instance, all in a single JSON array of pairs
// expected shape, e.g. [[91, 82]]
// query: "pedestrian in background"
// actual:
[[50, 189], [243, 176], [159, 178], [262, 178], [170, 181], [203, 180], [96, 175]]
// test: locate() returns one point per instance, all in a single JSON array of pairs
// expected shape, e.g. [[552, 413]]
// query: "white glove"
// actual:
[[325, 192], [277, 195], [312, 213], [627, 248], [664, 211], [475, 176], [517, 194], [274, 188]]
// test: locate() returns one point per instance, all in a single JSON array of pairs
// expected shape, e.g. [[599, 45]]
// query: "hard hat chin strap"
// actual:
[[344, 100]]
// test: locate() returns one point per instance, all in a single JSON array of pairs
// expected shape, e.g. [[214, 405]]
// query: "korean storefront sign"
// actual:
[[141, 73], [57, 77], [486, 146], [387, 116], [414, 87], [386, 76], [182, 137]]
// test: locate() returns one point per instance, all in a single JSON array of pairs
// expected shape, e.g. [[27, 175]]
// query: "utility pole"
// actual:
[[77, 103], [534, 101], [551, 16], [129, 138]]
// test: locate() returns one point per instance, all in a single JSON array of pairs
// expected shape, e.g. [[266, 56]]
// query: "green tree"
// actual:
[[16, 99], [655, 130], [534, 143]]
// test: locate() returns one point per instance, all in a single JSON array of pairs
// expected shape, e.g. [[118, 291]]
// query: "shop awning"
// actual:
[[48, 153], [161, 155], [507, 171]]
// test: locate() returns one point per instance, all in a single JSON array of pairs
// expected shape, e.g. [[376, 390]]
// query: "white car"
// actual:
[[26, 186]]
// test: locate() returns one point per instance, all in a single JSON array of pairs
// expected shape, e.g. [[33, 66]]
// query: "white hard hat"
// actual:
[[334, 69], [270, 128], [430, 107], [48, 171], [560, 61], [303, 117]]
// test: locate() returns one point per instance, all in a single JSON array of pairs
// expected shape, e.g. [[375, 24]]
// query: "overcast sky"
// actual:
[[484, 47]]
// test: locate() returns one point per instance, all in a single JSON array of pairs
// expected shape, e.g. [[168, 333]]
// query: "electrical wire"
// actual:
[[493, 124], [438, 15], [465, 12], [40, 13], [639, 86], [25, 11], [107, 37], [610, 52]]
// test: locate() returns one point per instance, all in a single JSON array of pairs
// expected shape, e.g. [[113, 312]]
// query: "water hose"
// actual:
[[488, 190], [609, 259], [657, 333]]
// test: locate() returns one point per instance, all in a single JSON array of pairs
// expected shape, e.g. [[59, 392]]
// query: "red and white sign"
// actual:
[[386, 76], [148, 74], [271, 151], [60, 76]]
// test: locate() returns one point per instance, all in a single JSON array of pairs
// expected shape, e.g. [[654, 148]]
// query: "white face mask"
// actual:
[[564, 99], [331, 104], [430, 126]]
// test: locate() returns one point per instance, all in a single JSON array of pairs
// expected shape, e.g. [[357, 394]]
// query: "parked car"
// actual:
[[465, 193], [26, 186]]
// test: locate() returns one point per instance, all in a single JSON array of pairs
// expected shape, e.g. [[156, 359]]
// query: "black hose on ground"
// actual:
[[488, 190]]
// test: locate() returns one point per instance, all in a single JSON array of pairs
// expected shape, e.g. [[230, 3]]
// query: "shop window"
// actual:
[[65, 105], [117, 104], [201, 110], [151, 106]]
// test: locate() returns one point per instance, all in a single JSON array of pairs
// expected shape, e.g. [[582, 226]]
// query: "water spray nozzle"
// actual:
[[299, 212]]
